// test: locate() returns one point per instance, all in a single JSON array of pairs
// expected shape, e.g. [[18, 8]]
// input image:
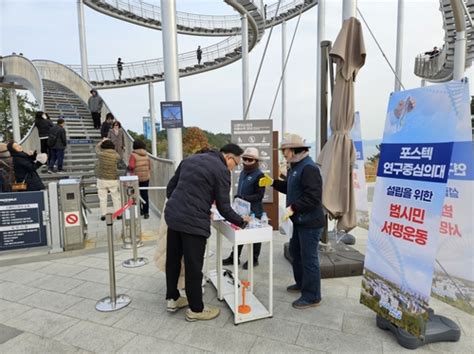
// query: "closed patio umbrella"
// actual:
[[338, 154]]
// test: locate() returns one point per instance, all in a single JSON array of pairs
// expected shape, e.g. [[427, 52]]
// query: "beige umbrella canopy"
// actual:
[[338, 154]]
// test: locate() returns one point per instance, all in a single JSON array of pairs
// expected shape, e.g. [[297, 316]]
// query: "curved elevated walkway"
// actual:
[[440, 67], [215, 56], [21, 71]]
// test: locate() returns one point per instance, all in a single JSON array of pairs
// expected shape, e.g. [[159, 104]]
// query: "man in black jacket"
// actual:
[[57, 143], [199, 180], [303, 189]]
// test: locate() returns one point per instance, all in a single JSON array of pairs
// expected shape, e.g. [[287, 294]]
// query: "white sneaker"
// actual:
[[208, 313], [175, 305]]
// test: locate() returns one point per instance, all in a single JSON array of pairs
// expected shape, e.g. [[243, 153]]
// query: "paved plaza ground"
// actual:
[[48, 306]]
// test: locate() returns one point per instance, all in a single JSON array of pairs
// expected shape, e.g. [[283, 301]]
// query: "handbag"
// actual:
[[20, 186]]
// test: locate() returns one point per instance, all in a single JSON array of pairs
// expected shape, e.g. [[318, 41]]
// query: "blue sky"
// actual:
[[47, 29]]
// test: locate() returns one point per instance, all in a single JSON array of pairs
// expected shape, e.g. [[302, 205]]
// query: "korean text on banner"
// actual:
[[421, 128]]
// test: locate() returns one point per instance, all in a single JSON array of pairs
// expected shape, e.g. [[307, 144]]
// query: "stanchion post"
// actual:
[[135, 261], [112, 302]]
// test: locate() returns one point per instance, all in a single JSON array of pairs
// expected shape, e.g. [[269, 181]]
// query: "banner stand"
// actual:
[[438, 329]]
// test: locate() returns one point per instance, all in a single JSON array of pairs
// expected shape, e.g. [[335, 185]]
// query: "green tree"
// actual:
[[26, 112]]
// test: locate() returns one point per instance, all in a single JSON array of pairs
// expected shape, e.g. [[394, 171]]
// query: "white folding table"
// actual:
[[230, 292]]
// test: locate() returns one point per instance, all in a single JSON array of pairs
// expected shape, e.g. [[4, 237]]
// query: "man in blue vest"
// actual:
[[249, 190], [303, 189]]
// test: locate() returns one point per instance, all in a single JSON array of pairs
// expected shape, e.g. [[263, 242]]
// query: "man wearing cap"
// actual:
[[303, 189], [249, 190], [95, 106]]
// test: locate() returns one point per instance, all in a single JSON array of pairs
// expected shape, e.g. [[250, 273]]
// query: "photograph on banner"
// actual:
[[171, 114], [421, 126], [358, 176], [453, 280], [255, 133]]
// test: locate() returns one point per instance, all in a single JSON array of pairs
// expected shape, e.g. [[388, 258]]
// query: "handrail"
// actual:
[[149, 15], [440, 68]]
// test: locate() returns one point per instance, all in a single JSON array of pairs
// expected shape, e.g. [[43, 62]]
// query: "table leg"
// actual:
[[270, 280], [236, 282], [219, 265], [250, 264]]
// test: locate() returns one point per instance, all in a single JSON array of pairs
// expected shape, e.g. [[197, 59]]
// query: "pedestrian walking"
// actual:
[[107, 125], [43, 124], [57, 143], [116, 135], [120, 67], [139, 165], [199, 54], [107, 175], [95, 103]]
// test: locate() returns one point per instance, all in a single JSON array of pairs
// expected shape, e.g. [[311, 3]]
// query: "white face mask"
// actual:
[[45, 116]]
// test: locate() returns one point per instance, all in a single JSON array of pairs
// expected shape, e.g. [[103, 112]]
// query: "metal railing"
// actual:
[[428, 66], [154, 67], [185, 20]]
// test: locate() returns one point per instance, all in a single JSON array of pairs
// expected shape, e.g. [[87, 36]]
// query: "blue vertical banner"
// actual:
[[358, 176], [421, 128]]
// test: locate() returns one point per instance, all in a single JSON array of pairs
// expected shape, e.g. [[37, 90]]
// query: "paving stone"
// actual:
[[163, 325], [15, 292], [95, 337], [348, 305], [67, 270], [69, 259], [335, 341], [49, 300], [7, 333], [149, 284], [145, 301], [353, 292], [28, 343], [215, 339], [331, 290], [353, 323], [20, 276], [95, 262], [57, 283], [272, 328], [323, 316], [97, 276], [85, 310], [42, 323], [94, 291], [264, 345], [32, 266], [467, 325], [10, 309], [145, 344]]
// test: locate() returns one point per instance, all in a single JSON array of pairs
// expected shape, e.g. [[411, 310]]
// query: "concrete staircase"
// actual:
[[80, 157]]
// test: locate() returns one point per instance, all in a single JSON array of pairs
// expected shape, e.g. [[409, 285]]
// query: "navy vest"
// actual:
[[248, 182], [295, 191]]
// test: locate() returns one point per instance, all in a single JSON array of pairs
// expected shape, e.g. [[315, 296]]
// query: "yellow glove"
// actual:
[[289, 212], [265, 181]]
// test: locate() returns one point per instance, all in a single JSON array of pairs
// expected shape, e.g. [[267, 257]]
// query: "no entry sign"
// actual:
[[71, 218]]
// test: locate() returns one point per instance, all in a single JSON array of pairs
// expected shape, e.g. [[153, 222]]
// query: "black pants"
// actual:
[[256, 250], [96, 119], [144, 207], [192, 247]]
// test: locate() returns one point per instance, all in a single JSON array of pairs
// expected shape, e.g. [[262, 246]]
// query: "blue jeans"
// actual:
[[304, 250], [57, 155]]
